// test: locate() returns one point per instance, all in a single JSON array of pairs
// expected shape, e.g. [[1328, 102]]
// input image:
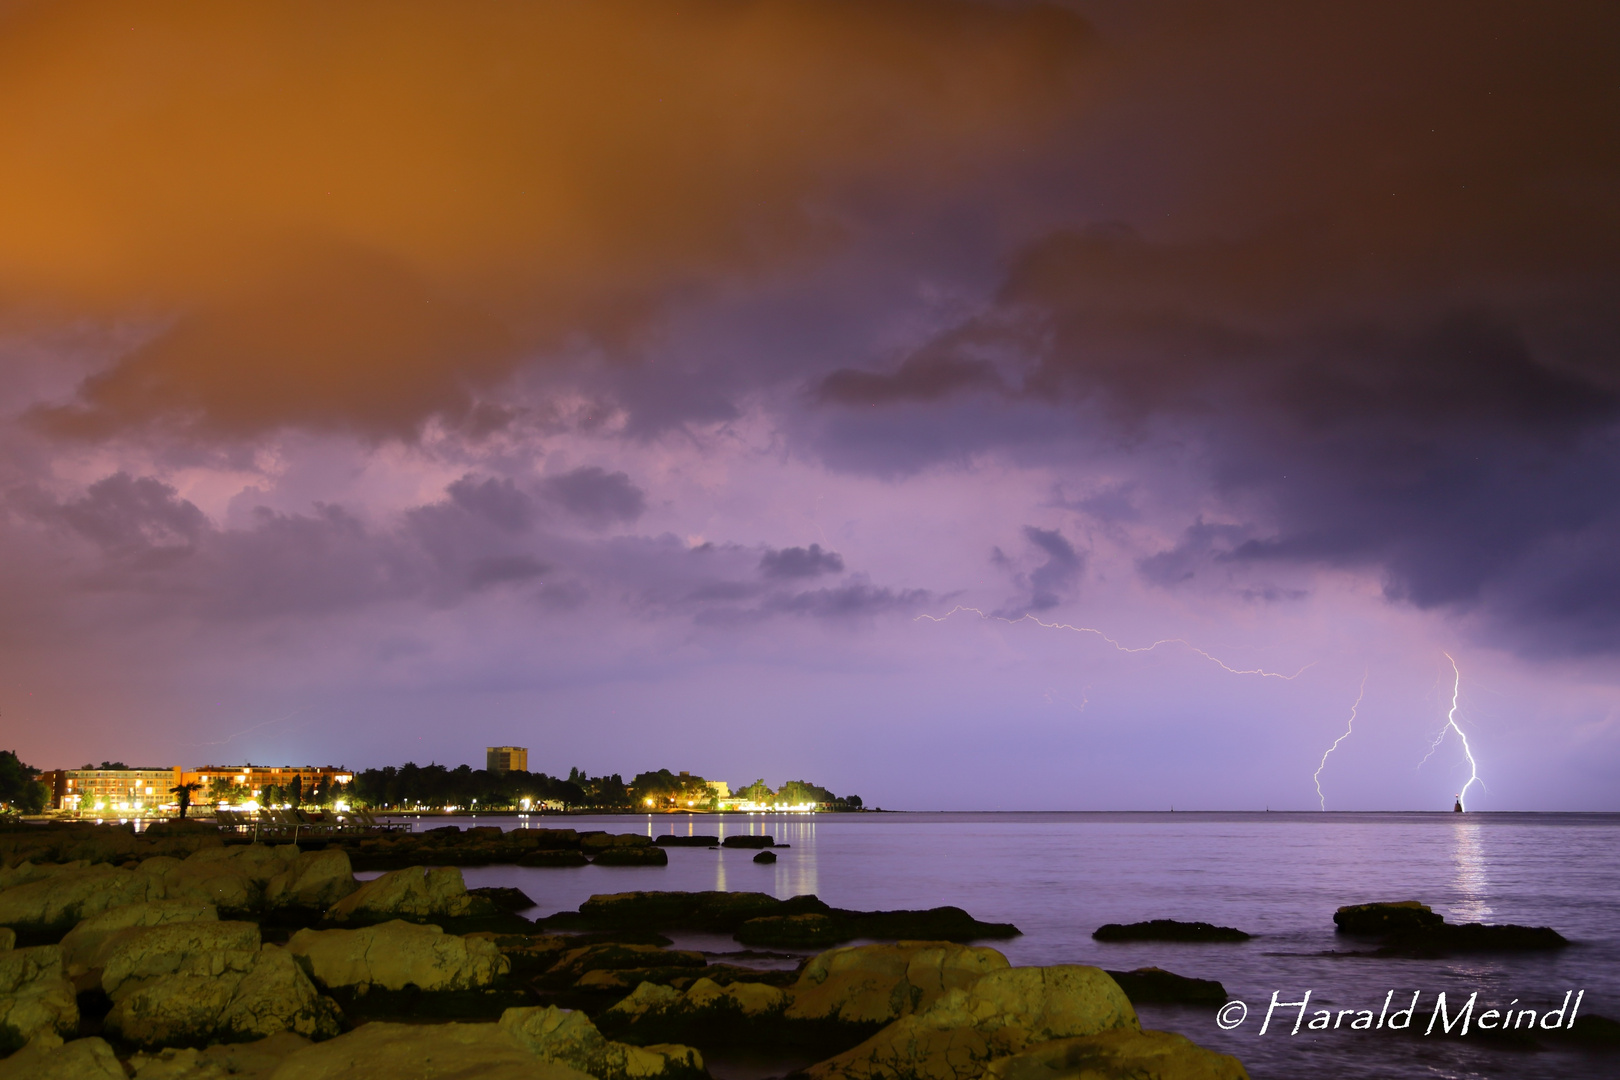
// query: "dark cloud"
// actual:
[[854, 600], [1050, 583], [128, 515], [798, 562], [596, 496], [497, 501], [918, 378]]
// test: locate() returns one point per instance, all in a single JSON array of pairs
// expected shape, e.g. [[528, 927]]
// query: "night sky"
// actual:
[[648, 384]]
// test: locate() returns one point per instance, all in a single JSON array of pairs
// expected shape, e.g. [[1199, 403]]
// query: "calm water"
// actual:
[[1278, 876]]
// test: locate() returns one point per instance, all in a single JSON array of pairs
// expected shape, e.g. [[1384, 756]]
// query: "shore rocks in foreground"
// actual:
[[35, 997], [1408, 928], [396, 954], [1167, 930], [1000, 1014], [1120, 1054]]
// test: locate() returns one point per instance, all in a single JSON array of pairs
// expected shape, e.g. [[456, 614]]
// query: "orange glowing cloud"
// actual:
[[346, 215]]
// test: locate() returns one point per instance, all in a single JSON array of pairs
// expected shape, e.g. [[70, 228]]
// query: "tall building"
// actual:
[[113, 790], [506, 758]]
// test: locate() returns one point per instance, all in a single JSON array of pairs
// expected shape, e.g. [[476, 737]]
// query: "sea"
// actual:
[[1277, 876]]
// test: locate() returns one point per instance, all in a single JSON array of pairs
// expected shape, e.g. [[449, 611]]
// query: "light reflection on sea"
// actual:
[[1279, 876]]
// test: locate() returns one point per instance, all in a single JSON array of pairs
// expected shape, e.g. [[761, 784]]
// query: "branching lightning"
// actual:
[[1348, 728], [1118, 645], [1451, 725]]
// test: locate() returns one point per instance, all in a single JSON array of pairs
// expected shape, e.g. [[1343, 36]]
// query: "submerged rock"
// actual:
[[813, 931], [765, 857], [81, 1059], [1385, 918], [835, 925], [36, 998], [671, 840], [416, 892], [999, 1015], [613, 956], [1472, 937], [1155, 986], [1167, 930], [721, 911], [504, 898], [554, 857], [633, 856], [1121, 1054], [398, 954], [594, 842], [749, 841]]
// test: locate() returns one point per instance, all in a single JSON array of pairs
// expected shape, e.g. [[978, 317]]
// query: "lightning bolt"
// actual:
[[1451, 725], [1118, 645], [1317, 776]]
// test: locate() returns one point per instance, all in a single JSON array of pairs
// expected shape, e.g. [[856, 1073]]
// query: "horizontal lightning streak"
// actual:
[[1348, 728], [1118, 645]]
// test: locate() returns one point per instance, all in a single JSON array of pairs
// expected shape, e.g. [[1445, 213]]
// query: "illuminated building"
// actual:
[[256, 778], [113, 791], [499, 759]]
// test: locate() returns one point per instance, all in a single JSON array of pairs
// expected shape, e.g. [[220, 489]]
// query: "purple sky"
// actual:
[[648, 387]]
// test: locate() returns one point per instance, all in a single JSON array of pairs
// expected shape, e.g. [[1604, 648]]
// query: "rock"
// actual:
[[484, 832], [1121, 1054], [1167, 930], [227, 885], [704, 997], [254, 1060], [748, 841], [765, 857], [633, 856], [313, 879], [1385, 918], [722, 911], [1155, 986], [600, 841], [180, 827], [793, 931], [569, 1038], [27, 871], [504, 899], [612, 956], [1472, 937], [8, 939], [553, 839], [442, 830], [671, 840], [1596, 1031], [384, 1051], [81, 1059], [88, 944], [53, 905], [1001, 1014], [554, 857], [36, 998], [398, 954], [413, 893], [139, 954], [529, 955], [934, 924], [222, 997], [876, 984]]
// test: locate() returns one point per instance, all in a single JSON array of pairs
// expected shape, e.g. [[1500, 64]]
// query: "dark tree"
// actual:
[[183, 794]]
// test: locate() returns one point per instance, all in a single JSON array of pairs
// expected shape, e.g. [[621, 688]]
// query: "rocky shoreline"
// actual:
[[176, 955]]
